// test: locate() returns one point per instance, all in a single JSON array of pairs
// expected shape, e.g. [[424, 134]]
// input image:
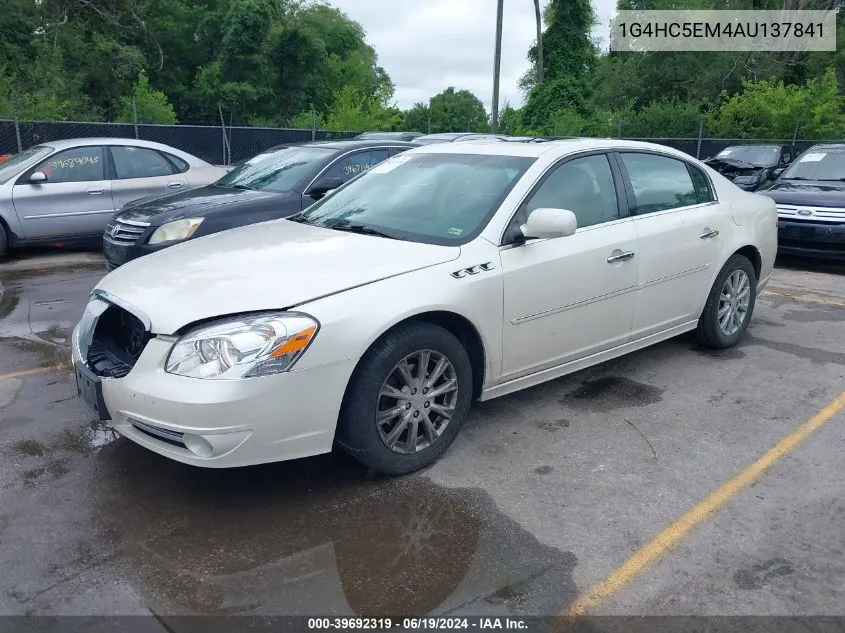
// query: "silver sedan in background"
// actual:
[[62, 192]]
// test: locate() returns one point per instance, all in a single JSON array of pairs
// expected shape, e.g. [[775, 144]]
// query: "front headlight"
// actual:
[[175, 231], [243, 347], [747, 180]]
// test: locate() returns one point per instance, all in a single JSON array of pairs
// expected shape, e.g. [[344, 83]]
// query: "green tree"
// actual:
[[774, 110], [458, 111], [353, 111], [569, 58], [510, 120], [416, 118], [151, 105]]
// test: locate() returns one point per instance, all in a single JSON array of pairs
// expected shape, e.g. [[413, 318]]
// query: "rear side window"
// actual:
[[702, 184], [139, 162], [659, 182], [180, 165]]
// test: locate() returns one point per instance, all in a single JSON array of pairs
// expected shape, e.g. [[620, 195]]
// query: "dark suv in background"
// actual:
[[810, 198], [275, 184]]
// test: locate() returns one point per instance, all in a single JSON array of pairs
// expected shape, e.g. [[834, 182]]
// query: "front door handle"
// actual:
[[620, 256], [709, 233], [174, 185], [96, 192]]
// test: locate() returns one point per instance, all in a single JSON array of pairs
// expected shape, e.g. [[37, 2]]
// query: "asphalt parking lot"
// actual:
[[577, 494]]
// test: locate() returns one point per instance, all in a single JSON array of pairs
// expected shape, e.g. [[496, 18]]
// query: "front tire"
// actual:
[[729, 305], [407, 399]]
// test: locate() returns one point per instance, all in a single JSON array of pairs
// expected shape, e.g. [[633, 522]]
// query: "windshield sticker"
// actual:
[[725, 152], [390, 164], [812, 158], [455, 231]]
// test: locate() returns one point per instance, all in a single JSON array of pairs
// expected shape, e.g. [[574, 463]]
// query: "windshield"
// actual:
[[751, 154], [433, 198], [17, 163], [279, 171], [822, 163]]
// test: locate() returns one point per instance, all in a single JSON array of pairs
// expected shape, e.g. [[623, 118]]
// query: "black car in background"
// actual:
[[810, 198], [389, 136], [752, 167], [274, 184]]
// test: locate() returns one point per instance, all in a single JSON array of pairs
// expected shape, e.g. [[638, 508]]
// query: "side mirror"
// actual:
[[777, 171], [323, 186], [37, 177], [549, 223]]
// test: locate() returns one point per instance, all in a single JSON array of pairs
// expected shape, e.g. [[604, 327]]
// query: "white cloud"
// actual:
[[431, 45]]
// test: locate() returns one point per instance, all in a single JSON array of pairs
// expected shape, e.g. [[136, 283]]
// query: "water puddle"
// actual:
[[317, 536]]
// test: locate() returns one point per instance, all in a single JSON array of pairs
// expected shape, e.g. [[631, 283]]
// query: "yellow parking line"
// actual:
[[800, 298], [30, 372], [675, 533]]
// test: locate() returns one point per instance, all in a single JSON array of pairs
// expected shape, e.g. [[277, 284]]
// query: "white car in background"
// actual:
[[449, 273], [65, 192]]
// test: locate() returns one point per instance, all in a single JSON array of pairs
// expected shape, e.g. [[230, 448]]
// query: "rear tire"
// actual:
[[729, 306], [4, 241], [406, 400]]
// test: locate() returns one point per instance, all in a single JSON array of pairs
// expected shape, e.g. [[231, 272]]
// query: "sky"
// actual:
[[430, 45]]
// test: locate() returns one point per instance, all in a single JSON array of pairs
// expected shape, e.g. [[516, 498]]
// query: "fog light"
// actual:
[[198, 445]]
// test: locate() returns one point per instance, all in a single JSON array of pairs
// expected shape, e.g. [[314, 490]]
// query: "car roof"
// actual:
[[449, 135], [348, 144], [828, 146], [106, 140], [775, 145], [535, 150]]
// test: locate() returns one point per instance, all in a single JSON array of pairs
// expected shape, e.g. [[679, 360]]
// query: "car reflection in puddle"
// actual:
[[318, 537]]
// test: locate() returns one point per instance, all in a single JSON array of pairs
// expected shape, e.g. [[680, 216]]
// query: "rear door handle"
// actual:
[[620, 256], [96, 192], [174, 185], [709, 233]]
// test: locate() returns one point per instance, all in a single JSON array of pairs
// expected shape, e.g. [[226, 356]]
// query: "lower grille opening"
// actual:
[[813, 245], [162, 435], [117, 343]]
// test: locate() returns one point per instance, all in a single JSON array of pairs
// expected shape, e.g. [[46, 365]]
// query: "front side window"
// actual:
[[659, 182], [818, 163], [584, 186], [139, 162], [355, 164], [80, 164], [433, 198], [277, 171]]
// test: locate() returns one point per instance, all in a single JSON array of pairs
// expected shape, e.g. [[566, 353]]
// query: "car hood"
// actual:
[[159, 209], [817, 194], [268, 266]]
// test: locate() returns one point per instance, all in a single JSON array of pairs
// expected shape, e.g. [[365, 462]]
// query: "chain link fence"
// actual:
[[225, 145], [216, 144]]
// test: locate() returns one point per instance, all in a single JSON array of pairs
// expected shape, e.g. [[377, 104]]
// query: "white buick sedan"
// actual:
[[447, 274]]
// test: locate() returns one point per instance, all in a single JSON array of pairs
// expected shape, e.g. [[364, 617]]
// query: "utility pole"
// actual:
[[497, 66], [538, 17]]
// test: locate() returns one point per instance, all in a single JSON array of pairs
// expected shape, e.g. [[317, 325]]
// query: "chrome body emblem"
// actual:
[[805, 212]]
